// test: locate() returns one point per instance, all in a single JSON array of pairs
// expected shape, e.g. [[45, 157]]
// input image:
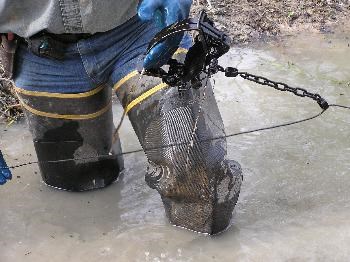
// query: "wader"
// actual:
[[72, 135]]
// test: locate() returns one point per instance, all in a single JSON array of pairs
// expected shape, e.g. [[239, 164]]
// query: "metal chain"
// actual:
[[301, 92]]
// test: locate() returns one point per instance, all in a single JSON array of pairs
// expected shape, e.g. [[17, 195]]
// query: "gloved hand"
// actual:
[[5, 173], [163, 13]]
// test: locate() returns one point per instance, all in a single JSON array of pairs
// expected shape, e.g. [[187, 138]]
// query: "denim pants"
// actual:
[[103, 58], [199, 187]]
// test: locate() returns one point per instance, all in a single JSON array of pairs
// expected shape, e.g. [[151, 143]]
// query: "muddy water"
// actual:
[[295, 200]]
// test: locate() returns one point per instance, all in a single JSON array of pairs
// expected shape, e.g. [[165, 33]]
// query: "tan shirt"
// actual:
[[28, 17]]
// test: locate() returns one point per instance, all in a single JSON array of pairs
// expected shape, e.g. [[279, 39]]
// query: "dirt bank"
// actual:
[[10, 110], [250, 20]]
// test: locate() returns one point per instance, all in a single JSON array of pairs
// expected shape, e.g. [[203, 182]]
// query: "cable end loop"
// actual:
[[323, 103]]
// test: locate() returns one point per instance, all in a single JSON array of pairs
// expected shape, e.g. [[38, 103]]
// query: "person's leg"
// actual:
[[198, 185], [70, 118]]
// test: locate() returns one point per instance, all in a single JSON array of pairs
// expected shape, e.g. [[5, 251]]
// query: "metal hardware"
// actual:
[[202, 57], [301, 92]]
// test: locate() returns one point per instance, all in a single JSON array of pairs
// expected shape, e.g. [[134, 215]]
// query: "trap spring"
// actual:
[[210, 44]]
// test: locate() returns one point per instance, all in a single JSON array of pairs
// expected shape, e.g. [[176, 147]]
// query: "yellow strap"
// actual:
[[124, 79], [67, 117], [134, 73], [181, 50], [148, 93], [59, 95], [144, 96]]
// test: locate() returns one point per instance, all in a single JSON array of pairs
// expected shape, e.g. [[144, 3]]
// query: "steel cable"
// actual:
[[109, 156]]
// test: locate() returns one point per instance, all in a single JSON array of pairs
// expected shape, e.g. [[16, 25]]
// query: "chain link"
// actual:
[[301, 92]]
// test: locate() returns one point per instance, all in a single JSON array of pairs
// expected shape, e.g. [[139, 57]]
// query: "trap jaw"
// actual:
[[209, 44]]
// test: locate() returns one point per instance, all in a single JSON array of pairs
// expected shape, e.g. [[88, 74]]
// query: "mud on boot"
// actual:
[[198, 203]]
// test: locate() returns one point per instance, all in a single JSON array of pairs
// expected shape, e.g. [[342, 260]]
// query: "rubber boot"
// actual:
[[72, 135]]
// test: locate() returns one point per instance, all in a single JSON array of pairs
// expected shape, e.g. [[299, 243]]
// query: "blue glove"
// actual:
[[5, 173], [163, 13]]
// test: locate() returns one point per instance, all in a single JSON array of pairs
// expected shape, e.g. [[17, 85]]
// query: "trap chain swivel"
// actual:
[[209, 45]]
